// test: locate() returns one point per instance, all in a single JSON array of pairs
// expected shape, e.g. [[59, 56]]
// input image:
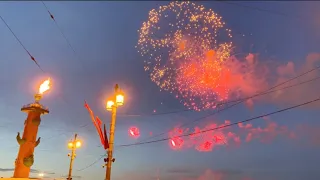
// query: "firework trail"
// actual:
[[185, 47]]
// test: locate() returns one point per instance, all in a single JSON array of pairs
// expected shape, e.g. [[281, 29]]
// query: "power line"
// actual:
[[258, 9], [31, 57], [236, 4], [296, 77], [172, 112], [225, 126], [287, 87], [189, 110], [65, 38], [60, 30], [242, 99], [239, 101], [91, 163], [212, 129], [52, 17]]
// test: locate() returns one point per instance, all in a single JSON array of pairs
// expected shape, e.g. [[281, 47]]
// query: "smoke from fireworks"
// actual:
[[251, 75], [185, 47], [176, 142], [187, 51], [205, 140]]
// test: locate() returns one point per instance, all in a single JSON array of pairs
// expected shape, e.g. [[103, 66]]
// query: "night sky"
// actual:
[[104, 35]]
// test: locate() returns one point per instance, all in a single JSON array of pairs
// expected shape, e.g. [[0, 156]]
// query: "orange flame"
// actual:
[[45, 86]]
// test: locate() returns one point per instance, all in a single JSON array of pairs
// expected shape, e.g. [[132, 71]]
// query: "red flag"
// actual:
[[86, 105], [106, 143], [96, 123], [98, 127]]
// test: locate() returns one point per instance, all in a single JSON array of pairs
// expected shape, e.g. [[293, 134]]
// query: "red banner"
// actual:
[[97, 123]]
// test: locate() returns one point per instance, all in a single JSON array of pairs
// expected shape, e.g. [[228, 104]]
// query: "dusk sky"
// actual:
[[104, 35]]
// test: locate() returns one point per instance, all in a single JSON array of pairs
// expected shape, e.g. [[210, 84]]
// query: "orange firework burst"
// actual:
[[185, 46]]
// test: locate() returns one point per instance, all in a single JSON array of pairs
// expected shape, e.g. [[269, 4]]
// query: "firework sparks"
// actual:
[[200, 140], [204, 140], [134, 132], [176, 142], [185, 46]]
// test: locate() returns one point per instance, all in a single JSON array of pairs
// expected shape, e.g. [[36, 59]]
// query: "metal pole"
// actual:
[[111, 141], [73, 149]]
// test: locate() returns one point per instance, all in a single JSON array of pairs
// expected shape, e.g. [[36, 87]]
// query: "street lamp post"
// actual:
[[112, 105], [73, 145]]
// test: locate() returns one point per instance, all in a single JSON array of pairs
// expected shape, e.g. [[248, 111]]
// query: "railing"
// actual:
[[38, 105]]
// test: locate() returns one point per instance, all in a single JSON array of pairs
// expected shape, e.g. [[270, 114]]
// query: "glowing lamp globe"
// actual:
[[120, 99], [109, 105], [78, 144], [70, 145]]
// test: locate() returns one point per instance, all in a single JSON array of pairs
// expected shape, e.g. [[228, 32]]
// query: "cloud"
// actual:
[[267, 133], [136, 176], [301, 93], [178, 173], [251, 75], [226, 174], [31, 171], [245, 77], [308, 134], [78, 177], [6, 169], [179, 170]]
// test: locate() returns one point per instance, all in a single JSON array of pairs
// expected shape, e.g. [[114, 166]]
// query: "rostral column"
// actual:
[[29, 141]]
